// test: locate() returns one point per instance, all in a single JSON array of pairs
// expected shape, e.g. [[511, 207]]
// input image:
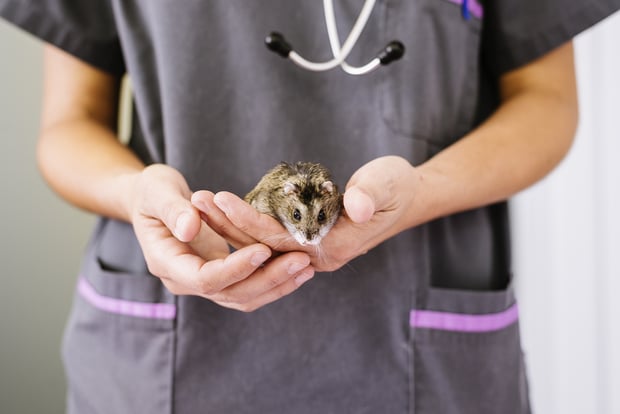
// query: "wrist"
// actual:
[[126, 192], [429, 195]]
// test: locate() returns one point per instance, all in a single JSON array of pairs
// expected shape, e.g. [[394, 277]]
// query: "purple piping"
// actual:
[[166, 311], [474, 7], [459, 322]]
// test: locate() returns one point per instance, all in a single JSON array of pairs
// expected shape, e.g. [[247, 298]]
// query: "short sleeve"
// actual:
[[85, 29], [516, 32]]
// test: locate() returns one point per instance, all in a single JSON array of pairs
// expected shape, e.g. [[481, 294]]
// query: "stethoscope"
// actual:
[[393, 51]]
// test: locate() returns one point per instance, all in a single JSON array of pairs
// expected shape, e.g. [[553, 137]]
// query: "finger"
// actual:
[[205, 278], [217, 220], [268, 288], [259, 226], [276, 293], [269, 277]]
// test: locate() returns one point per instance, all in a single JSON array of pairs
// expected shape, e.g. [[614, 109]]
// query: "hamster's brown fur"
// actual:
[[301, 196]]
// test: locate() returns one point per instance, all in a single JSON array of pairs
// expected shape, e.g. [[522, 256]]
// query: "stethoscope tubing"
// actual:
[[393, 51]]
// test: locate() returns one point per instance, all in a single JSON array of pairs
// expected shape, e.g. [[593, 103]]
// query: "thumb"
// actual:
[[373, 188], [184, 222], [360, 206], [166, 197]]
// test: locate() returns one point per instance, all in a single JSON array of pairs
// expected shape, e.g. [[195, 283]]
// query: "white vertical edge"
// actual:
[[566, 235], [608, 222]]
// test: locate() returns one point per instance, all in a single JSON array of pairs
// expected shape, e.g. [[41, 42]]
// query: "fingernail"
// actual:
[[259, 258], [296, 267], [304, 277], [180, 227]]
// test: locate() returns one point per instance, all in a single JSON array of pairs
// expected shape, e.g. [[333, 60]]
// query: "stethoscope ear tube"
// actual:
[[393, 51]]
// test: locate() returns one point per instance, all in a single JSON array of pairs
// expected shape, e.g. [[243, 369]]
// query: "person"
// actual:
[[408, 304]]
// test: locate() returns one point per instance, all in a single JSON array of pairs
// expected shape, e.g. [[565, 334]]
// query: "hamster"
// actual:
[[302, 197]]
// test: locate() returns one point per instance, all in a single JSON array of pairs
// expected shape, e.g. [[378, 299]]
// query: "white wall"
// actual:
[[567, 250], [42, 239]]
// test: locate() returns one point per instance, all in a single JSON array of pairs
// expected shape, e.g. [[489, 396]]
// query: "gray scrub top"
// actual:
[[425, 323]]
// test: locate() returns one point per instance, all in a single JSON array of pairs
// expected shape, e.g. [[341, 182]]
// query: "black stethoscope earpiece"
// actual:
[[278, 44], [393, 51]]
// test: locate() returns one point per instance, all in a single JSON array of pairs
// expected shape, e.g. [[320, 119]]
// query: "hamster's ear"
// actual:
[[328, 187], [289, 188]]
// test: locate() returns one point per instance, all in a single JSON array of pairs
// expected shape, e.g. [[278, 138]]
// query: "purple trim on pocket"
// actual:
[[474, 7], [146, 310], [459, 322]]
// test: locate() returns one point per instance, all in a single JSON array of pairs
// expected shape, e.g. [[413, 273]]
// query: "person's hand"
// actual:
[[191, 259], [378, 203]]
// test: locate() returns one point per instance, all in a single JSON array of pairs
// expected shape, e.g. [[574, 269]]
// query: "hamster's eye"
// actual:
[[296, 215], [321, 217]]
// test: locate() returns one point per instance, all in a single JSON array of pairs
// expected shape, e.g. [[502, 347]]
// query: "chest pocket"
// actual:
[[432, 93]]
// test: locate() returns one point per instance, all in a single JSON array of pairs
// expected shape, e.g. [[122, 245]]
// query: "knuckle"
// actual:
[[283, 292], [246, 308], [225, 227], [205, 287], [223, 300], [243, 226], [335, 261], [239, 299], [237, 275], [233, 300], [156, 268], [172, 287], [273, 282], [278, 243], [332, 266]]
